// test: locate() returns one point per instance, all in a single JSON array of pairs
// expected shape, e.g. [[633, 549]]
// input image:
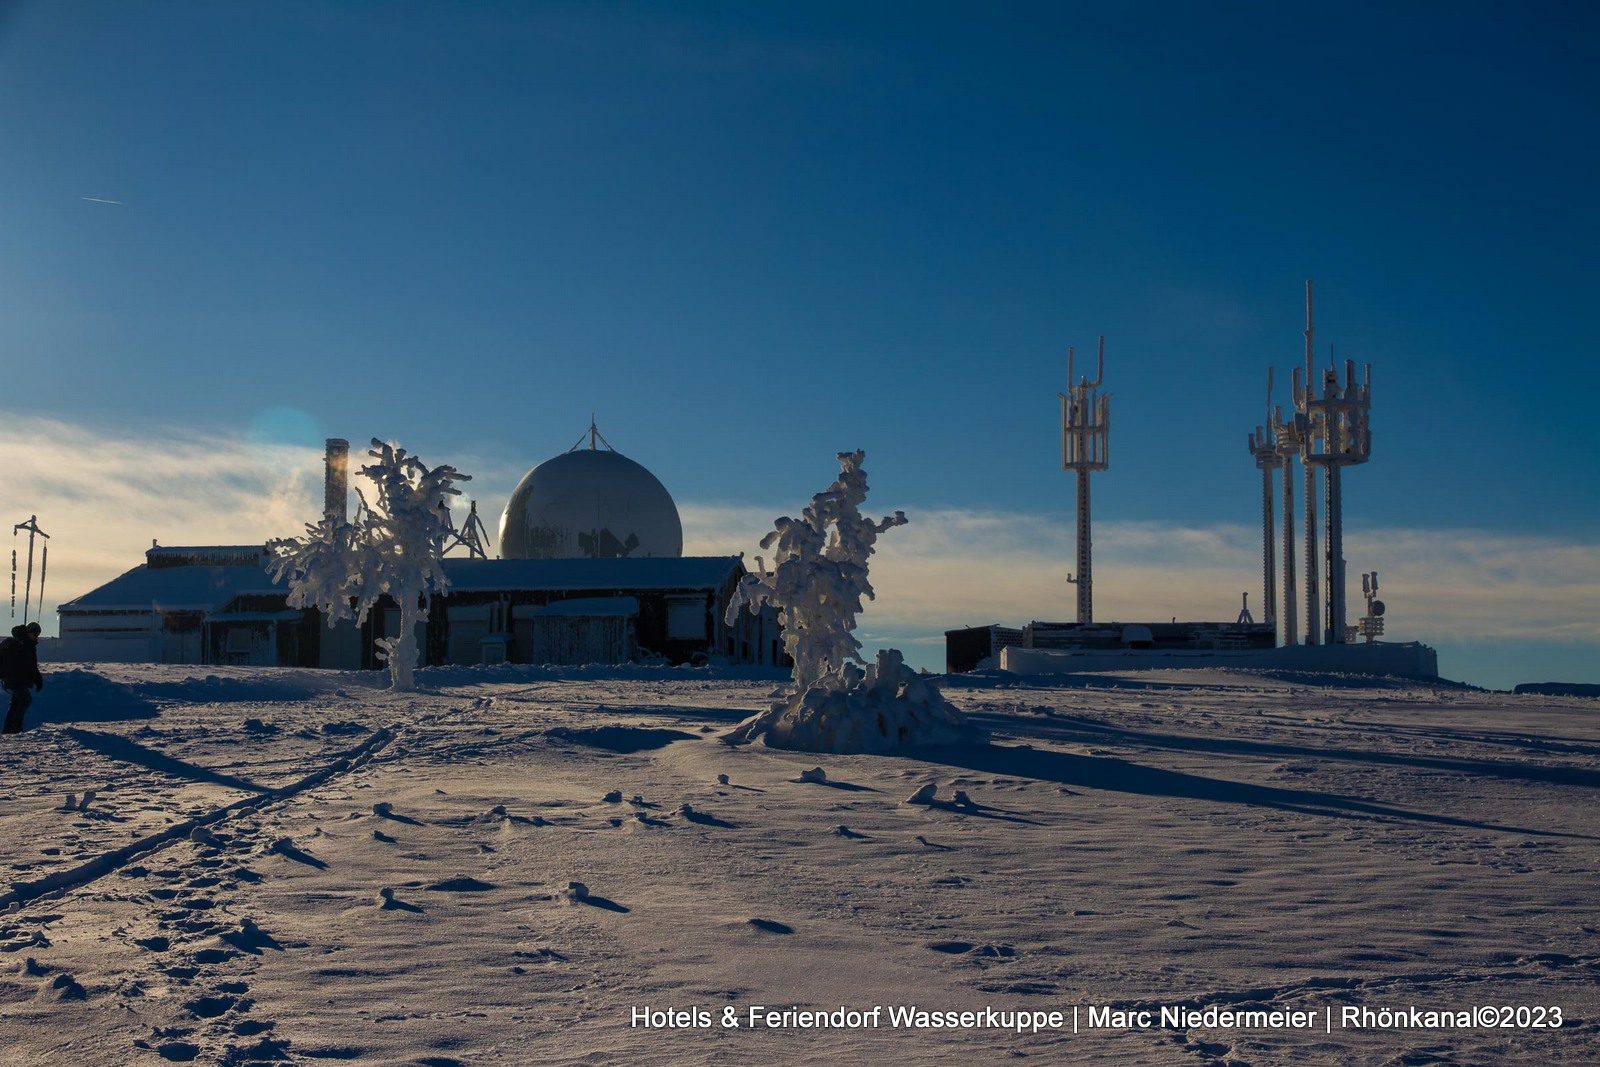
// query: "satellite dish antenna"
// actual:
[[1376, 607]]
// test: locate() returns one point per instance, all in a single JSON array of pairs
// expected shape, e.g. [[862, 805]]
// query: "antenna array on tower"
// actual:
[[1085, 447], [1328, 431]]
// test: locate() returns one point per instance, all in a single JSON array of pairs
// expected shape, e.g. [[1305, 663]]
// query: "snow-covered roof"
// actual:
[[173, 589], [219, 555], [590, 607], [204, 588], [651, 573]]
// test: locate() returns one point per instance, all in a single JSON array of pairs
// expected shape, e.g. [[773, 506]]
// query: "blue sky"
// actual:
[[746, 236]]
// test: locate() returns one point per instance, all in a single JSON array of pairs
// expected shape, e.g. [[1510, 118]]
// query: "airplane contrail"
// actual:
[[99, 200]]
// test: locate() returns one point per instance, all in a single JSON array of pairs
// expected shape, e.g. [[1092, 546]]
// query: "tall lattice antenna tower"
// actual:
[[1085, 439], [1310, 434], [1264, 447], [1337, 436]]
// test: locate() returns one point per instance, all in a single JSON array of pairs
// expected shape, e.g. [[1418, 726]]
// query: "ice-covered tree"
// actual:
[[837, 702], [819, 574], [393, 548]]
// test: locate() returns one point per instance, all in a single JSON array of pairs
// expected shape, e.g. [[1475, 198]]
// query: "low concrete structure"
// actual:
[[1409, 659]]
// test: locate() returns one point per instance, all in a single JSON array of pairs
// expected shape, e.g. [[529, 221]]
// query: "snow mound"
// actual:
[[79, 695], [882, 708]]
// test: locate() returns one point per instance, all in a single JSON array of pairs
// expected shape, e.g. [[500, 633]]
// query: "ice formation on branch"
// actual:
[[817, 581], [392, 548]]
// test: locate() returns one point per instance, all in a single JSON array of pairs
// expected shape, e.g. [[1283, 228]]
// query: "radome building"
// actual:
[[590, 569]]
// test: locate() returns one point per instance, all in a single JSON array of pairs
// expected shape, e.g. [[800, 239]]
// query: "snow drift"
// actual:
[[884, 707]]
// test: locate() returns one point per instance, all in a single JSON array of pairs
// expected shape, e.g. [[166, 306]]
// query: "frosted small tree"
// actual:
[[819, 574], [393, 548], [837, 702]]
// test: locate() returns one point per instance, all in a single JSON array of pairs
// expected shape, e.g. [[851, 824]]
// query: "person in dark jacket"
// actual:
[[19, 671]]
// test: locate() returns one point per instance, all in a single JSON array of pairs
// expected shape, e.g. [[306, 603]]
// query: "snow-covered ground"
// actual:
[[299, 866]]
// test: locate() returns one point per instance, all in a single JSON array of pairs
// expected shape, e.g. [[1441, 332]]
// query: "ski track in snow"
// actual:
[[299, 867]]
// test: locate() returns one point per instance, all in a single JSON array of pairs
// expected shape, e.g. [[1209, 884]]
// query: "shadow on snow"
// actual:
[[1118, 775], [128, 751]]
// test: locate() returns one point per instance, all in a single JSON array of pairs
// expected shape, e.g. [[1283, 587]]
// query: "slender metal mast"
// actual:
[[1347, 441], [1310, 434], [32, 526], [1085, 440], [1288, 437], [1264, 447]]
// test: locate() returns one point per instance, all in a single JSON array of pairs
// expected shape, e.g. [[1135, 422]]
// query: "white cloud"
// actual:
[[102, 498]]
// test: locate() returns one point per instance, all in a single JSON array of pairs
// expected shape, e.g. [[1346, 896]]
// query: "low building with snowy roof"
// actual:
[[220, 604]]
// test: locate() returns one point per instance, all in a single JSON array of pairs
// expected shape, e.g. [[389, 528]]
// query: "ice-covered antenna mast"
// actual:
[[1264, 447], [32, 526], [1085, 437], [1287, 435], [1310, 433], [1337, 436]]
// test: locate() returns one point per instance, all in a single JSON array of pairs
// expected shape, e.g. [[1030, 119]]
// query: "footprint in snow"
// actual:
[[248, 937], [210, 1007], [178, 1051]]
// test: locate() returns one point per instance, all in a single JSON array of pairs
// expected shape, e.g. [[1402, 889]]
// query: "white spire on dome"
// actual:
[[593, 434]]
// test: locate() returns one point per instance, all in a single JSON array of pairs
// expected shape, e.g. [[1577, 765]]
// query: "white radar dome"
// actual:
[[590, 502]]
